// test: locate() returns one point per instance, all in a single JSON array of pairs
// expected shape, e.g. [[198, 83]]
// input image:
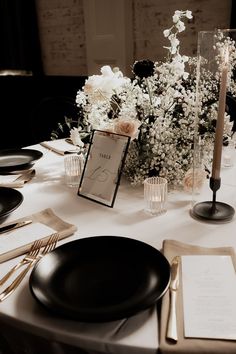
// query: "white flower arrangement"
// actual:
[[156, 108]]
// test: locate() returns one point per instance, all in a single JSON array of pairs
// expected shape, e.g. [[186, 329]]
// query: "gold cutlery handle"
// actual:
[[29, 257], [172, 320], [13, 184], [15, 225], [7, 276], [9, 290], [48, 247]]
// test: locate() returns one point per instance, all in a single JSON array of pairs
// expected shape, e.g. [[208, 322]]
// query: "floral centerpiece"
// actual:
[[156, 109]]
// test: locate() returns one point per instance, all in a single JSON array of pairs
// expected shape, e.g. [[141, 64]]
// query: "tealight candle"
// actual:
[[73, 169], [228, 154], [155, 195]]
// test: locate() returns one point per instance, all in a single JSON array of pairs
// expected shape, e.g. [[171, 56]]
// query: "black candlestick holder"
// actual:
[[213, 210]]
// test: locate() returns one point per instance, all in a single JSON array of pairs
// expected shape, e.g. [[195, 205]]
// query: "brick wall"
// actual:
[[62, 36], [62, 32], [151, 17]]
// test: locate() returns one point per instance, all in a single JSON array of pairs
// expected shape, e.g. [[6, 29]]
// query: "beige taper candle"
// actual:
[[216, 164]]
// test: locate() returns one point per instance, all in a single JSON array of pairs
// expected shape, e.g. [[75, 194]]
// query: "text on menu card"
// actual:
[[209, 293]]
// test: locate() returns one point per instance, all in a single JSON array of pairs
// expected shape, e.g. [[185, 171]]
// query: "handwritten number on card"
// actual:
[[103, 167]]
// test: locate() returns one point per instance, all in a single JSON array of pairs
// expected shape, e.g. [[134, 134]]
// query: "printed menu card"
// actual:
[[209, 297]]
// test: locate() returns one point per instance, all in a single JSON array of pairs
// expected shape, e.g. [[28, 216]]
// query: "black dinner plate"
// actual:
[[100, 278], [18, 159], [10, 199]]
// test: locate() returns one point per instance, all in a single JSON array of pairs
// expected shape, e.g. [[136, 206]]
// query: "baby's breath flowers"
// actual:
[[156, 109], [177, 27]]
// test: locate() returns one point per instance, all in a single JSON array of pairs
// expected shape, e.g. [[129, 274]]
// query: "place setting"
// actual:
[[16, 169], [18, 236], [91, 279], [17, 160], [100, 279], [36, 252], [18, 179], [198, 312], [32, 236]]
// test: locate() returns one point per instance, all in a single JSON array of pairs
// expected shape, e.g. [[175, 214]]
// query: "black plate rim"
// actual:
[[100, 318], [11, 192], [33, 154]]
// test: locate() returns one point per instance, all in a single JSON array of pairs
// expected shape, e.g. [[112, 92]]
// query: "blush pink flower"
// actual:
[[126, 126], [194, 179]]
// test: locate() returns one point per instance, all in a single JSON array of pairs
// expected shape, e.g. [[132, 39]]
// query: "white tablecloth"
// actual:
[[138, 334]]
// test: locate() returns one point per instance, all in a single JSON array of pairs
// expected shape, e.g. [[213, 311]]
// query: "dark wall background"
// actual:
[[31, 103], [19, 37], [31, 106], [233, 15]]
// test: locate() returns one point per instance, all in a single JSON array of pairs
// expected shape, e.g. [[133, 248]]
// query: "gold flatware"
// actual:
[[174, 285], [14, 226], [68, 140], [76, 151], [49, 246], [19, 182], [33, 252], [26, 176]]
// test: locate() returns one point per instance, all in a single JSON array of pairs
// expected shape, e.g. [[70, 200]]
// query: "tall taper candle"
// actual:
[[220, 120]]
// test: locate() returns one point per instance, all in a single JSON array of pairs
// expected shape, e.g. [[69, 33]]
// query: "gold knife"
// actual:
[[174, 285], [14, 226]]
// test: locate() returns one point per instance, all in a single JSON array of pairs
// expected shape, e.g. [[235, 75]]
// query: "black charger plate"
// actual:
[[18, 159], [101, 278], [10, 199]]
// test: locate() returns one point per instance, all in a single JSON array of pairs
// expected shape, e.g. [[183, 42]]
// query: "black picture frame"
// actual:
[[103, 167]]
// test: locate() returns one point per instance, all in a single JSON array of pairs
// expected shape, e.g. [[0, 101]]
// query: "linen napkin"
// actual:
[[60, 146], [16, 181], [172, 248], [46, 218]]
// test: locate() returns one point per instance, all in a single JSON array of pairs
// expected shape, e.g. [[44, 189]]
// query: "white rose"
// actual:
[[102, 87], [107, 71], [75, 137]]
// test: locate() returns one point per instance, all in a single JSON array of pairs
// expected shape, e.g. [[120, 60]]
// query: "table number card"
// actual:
[[103, 167], [209, 297]]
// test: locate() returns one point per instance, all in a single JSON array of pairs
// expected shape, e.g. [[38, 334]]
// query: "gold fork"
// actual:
[[33, 252], [49, 246]]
